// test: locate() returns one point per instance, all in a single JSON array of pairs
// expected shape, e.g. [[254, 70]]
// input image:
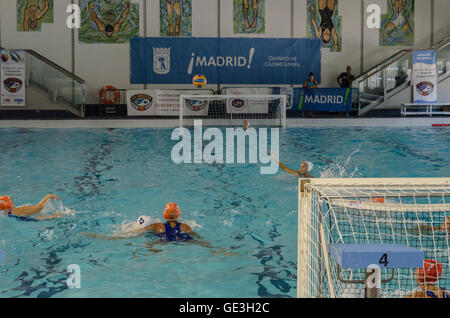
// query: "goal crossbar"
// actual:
[[270, 117]]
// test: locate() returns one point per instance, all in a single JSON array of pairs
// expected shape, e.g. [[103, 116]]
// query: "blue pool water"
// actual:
[[107, 178]]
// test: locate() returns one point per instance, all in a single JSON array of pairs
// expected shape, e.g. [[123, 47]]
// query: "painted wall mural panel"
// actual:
[[249, 16], [108, 21], [31, 14], [175, 17], [324, 22], [397, 26]]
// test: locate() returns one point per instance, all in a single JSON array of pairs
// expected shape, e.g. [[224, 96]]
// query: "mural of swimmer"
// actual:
[[32, 13], [246, 20], [325, 23], [175, 17], [397, 26], [112, 21], [25, 212]]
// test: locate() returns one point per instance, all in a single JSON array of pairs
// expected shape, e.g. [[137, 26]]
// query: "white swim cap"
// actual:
[[310, 165], [143, 221]]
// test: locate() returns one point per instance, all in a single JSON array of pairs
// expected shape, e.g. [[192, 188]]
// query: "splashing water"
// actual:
[[340, 170], [56, 206]]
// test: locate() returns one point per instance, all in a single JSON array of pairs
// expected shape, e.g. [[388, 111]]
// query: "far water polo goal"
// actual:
[[351, 231]]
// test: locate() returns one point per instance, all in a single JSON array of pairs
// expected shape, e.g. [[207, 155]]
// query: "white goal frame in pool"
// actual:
[[278, 121], [312, 244]]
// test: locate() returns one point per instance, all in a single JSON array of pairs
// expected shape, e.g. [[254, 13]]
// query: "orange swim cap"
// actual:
[[171, 211], [377, 200], [430, 272], [6, 203]]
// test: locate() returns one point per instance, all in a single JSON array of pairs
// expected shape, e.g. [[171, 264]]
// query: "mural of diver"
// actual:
[[109, 28]]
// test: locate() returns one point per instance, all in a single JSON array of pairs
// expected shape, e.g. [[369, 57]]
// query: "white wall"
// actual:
[[101, 64], [53, 41]]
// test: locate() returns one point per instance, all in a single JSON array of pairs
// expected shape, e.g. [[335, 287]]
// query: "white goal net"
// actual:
[[232, 110], [411, 211]]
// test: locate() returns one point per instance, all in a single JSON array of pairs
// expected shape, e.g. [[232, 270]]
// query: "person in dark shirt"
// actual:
[[346, 78]]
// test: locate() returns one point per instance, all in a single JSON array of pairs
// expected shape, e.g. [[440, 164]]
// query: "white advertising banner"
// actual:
[[156, 102], [424, 77], [248, 106], [12, 75]]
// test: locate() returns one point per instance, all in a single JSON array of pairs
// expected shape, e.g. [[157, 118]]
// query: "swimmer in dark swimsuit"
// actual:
[[171, 231], [24, 212], [108, 29], [305, 168], [427, 278], [326, 31]]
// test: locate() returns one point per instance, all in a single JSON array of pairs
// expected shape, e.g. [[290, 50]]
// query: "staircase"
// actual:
[[392, 76], [51, 87]]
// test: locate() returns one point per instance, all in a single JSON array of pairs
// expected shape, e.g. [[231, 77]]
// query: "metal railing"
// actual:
[[392, 75], [59, 84]]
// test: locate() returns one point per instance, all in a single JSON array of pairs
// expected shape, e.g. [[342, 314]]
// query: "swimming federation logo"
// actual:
[[5, 57], [196, 105], [12, 85], [141, 102], [425, 88], [237, 104], [161, 60]]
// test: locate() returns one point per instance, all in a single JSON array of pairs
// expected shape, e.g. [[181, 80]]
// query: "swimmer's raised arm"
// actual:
[[103, 237], [42, 12], [317, 31], [100, 25], [34, 209], [282, 166], [123, 16]]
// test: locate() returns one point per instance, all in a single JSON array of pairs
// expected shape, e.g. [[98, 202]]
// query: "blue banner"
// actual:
[[166, 60], [322, 99], [425, 77]]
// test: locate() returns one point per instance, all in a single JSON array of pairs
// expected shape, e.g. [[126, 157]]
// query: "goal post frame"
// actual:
[[282, 98], [306, 278]]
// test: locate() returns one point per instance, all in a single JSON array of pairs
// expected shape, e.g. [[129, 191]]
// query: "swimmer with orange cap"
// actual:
[[24, 212], [172, 230], [427, 277]]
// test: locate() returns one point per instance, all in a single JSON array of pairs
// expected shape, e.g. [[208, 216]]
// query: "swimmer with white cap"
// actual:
[[305, 168]]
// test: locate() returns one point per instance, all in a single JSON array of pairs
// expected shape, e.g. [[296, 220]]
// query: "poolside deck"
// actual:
[[171, 123]]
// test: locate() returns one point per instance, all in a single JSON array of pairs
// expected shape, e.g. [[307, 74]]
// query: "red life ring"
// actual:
[[107, 88]]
